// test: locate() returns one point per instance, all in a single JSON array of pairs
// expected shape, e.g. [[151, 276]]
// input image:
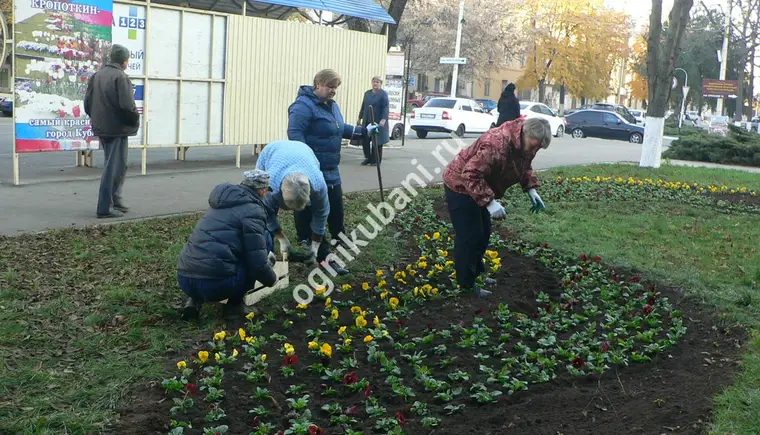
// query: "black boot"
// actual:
[[233, 310], [191, 310]]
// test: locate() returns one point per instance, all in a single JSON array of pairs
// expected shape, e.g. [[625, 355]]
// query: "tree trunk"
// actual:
[[660, 68], [562, 100], [395, 10], [358, 24], [541, 90], [739, 111], [751, 87]]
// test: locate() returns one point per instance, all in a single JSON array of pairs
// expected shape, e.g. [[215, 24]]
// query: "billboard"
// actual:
[[720, 88], [58, 46]]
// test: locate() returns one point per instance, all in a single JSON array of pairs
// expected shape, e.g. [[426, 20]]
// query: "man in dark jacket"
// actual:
[[230, 248], [377, 99], [110, 104], [508, 106]]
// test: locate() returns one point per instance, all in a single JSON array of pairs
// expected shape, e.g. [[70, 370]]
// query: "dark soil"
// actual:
[[673, 393], [737, 198]]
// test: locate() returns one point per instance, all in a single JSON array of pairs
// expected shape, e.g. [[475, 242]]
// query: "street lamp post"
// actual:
[[685, 90], [454, 76]]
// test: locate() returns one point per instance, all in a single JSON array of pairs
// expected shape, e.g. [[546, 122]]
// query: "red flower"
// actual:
[[584, 257], [350, 378], [191, 389], [534, 315], [351, 410], [437, 216], [83, 79], [634, 279], [290, 360], [416, 219], [479, 311], [315, 430], [256, 421], [400, 419], [430, 326], [61, 113], [77, 111], [545, 246], [281, 432], [648, 309], [597, 259], [585, 272], [367, 392], [399, 323], [578, 362], [605, 347], [651, 299]]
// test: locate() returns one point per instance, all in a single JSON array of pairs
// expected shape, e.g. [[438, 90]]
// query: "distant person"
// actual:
[[478, 176], [377, 99], [315, 119], [508, 106], [295, 181], [229, 249], [110, 104]]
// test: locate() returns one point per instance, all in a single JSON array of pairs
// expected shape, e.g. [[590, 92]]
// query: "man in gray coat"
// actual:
[[110, 104]]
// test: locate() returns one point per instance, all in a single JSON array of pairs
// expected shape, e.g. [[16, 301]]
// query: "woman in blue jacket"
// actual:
[[315, 119], [377, 99]]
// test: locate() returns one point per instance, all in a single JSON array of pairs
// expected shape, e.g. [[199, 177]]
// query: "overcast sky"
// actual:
[[639, 10]]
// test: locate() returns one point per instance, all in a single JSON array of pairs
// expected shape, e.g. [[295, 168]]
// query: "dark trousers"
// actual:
[[334, 221], [472, 232], [114, 171], [232, 288], [369, 151]]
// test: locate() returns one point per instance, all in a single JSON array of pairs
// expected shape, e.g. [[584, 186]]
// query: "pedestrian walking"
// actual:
[[110, 104], [295, 181], [377, 99], [508, 105], [316, 120], [477, 177], [230, 248]]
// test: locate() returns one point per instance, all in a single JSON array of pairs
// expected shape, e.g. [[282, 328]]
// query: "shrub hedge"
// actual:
[[739, 148]]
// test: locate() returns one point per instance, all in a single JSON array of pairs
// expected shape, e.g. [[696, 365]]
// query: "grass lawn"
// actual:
[[87, 314]]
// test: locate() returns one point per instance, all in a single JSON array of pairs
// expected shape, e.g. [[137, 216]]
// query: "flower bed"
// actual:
[[385, 357]]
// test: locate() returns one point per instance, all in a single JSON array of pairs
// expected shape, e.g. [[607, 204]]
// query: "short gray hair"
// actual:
[[538, 128], [296, 190], [256, 178]]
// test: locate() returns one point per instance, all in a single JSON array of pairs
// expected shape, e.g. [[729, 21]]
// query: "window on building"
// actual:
[[487, 88], [437, 85]]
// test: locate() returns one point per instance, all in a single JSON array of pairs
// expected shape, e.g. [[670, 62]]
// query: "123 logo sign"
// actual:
[[132, 22]]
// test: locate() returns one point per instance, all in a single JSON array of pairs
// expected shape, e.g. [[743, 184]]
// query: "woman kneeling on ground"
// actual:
[[230, 248], [480, 174]]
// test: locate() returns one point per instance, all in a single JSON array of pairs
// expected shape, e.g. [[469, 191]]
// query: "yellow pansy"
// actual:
[[438, 267], [326, 350], [381, 284], [393, 303], [301, 306], [434, 291], [412, 272], [219, 336], [241, 333], [182, 365], [361, 322], [376, 321], [379, 273], [203, 356], [328, 302], [250, 315], [365, 286], [289, 349], [448, 263], [356, 309], [496, 261], [263, 357], [235, 353], [346, 287], [422, 264], [427, 237], [313, 345], [217, 357], [319, 290], [384, 295], [347, 342], [436, 235], [250, 340], [368, 338], [334, 314], [341, 330]]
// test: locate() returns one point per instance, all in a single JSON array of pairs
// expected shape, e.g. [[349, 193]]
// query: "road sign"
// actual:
[[412, 81], [685, 90], [720, 88], [453, 60]]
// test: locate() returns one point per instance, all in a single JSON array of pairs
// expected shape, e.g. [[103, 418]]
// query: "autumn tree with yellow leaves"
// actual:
[[637, 64], [574, 43]]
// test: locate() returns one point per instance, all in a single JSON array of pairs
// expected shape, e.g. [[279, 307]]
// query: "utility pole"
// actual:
[[724, 54], [456, 52]]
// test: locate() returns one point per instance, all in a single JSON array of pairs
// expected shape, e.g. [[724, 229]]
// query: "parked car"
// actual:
[[487, 105], [531, 109], [640, 116], [603, 124], [446, 115], [6, 106], [617, 108], [419, 102]]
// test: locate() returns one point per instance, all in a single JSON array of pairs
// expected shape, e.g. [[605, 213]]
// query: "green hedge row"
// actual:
[[739, 148]]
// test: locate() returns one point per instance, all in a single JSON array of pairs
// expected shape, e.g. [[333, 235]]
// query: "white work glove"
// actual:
[[370, 128], [272, 259], [315, 247], [284, 247], [538, 204], [496, 210]]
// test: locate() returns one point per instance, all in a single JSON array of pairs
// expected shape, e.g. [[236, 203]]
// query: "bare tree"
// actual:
[[745, 30], [660, 67]]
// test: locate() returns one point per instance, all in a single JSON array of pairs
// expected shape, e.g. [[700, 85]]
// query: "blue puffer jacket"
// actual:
[[320, 125], [231, 234]]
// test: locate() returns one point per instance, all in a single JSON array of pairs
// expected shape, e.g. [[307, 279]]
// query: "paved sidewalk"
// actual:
[[42, 206]]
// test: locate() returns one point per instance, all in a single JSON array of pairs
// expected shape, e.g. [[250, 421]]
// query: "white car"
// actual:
[[640, 115], [446, 115], [531, 109]]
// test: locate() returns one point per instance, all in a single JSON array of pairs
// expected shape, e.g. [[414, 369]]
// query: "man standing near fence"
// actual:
[[110, 104]]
